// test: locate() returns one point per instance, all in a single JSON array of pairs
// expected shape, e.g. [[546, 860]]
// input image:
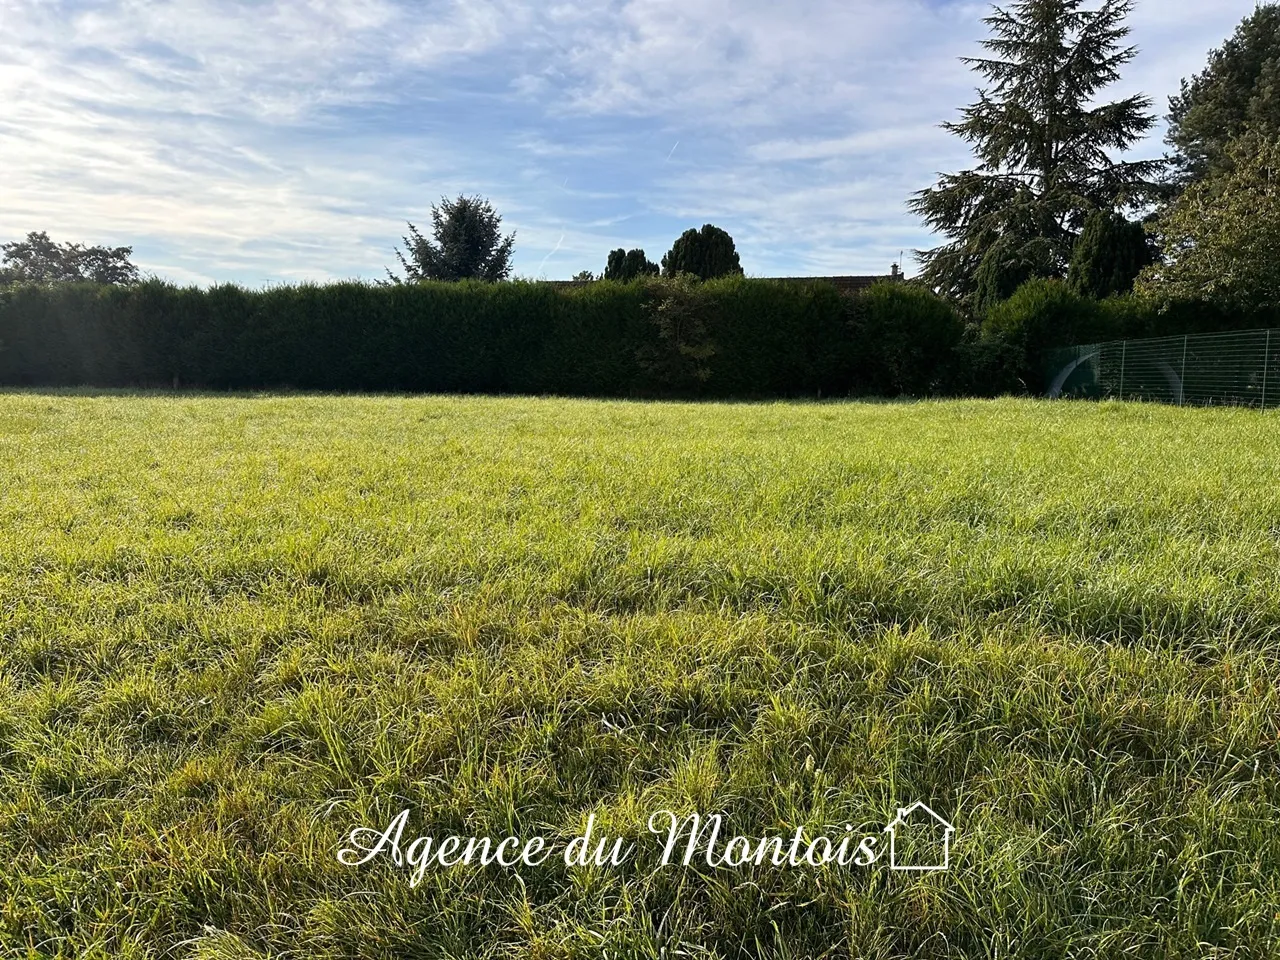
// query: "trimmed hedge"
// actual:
[[731, 337], [909, 340], [669, 337]]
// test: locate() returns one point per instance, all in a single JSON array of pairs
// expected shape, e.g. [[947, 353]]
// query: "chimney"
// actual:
[[895, 273]]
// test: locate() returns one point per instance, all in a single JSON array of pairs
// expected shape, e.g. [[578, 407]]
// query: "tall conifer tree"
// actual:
[[469, 244], [1043, 145], [1238, 92]]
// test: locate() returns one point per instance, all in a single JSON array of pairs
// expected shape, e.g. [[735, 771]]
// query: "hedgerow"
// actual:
[[650, 337]]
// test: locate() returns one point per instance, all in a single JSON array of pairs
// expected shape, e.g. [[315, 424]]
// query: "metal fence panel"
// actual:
[[1236, 368]]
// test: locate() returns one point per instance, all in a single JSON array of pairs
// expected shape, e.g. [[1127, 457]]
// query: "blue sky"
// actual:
[[284, 140]]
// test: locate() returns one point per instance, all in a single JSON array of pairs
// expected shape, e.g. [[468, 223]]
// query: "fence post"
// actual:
[[1182, 378], [1124, 348], [1266, 363]]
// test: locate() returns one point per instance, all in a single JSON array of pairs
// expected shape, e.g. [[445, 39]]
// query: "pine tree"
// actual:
[[1043, 147], [468, 244], [1238, 91]]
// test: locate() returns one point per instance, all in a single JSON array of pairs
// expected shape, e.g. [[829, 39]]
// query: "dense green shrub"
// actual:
[[986, 366], [1040, 315], [1126, 317], [676, 358], [909, 337], [779, 338], [1044, 314], [1133, 317], [601, 339]]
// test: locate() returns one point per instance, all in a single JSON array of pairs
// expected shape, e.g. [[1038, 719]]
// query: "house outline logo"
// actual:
[[904, 813]]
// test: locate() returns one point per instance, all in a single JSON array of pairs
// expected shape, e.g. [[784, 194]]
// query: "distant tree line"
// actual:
[[37, 259], [467, 244]]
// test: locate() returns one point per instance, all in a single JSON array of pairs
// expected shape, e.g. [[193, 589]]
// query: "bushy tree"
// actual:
[[624, 265], [1043, 145], [1042, 314], [1238, 91], [37, 259], [1221, 238], [705, 253], [585, 276], [468, 244], [1111, 252]]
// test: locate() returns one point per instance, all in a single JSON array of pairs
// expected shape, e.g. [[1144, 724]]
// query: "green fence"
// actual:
[[1235, 368]]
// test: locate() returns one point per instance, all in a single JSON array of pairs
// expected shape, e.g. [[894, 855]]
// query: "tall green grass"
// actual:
[[233, 628]]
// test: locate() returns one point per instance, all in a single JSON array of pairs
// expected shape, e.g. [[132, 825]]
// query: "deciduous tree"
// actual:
[[1221, 238], [37, 259]]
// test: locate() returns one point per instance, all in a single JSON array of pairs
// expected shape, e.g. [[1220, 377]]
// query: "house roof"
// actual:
[[843, 284]]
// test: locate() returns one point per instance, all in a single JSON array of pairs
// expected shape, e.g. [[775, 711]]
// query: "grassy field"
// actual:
[[232, 629]]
